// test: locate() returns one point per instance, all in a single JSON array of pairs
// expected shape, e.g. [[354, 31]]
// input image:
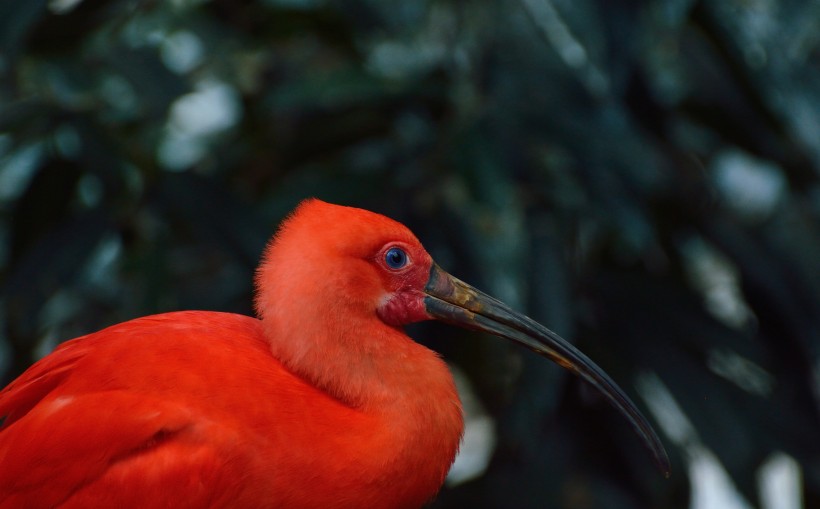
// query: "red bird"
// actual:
[[322, 402]]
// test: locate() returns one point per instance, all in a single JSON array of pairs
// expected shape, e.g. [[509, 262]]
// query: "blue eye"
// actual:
[[395, 258]]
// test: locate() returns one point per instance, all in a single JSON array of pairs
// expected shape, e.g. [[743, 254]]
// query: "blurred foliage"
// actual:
[[641, 176]]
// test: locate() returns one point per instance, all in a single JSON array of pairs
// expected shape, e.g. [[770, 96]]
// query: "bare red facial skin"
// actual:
[[404, 307], [405, 302]]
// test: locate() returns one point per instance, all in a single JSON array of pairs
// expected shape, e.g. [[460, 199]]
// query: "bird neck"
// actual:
[[405, 390], [363, 363]]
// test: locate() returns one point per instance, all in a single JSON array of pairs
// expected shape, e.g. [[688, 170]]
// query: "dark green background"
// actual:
[[641, 176]]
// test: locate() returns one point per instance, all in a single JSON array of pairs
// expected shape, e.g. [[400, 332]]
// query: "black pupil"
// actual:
[[396, 258]]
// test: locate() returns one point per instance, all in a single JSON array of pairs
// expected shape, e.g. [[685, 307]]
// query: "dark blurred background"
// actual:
[[642, 177]]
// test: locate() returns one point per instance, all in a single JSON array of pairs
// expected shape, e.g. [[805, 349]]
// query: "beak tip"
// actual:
[[663, 465]]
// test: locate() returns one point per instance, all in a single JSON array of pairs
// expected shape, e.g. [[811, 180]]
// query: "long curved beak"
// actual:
[[453, 301]]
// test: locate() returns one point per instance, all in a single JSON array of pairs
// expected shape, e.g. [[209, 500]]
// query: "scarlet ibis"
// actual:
[[322, 402]]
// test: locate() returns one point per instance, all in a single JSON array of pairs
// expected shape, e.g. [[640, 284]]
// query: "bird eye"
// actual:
[[395, 258]]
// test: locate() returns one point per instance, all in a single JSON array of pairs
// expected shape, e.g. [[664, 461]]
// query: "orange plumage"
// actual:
[[323, 402]]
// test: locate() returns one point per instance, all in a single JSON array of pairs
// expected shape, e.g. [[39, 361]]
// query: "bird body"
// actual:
[[321, 402], [88, 426]]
